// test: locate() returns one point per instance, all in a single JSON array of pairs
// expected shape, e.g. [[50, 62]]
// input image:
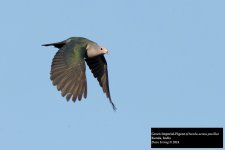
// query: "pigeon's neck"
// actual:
[[92, 50]]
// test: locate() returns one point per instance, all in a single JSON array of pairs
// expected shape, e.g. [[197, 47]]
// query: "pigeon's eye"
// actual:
[[101, 49]]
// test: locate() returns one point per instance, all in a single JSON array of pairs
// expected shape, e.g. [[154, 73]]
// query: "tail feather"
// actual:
[[57, 45]]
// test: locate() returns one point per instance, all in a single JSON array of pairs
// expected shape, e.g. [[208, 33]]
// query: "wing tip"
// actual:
[[114, 108]]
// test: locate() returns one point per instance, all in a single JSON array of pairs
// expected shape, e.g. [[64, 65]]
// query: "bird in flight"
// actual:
[[68, 67]]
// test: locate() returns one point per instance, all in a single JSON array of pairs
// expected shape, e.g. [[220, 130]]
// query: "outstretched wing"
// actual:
[[68, 72], [98, 67]]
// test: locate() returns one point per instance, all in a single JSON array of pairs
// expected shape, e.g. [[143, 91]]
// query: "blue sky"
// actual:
[[166, 69]]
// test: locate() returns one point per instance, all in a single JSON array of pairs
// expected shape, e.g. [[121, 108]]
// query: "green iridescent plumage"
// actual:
[[68, 67]]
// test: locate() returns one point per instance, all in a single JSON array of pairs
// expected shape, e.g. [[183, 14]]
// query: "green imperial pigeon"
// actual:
[[68, 67]]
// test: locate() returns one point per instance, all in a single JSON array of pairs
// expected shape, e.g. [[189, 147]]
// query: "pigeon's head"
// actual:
[[104, 50], [94, 49]]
